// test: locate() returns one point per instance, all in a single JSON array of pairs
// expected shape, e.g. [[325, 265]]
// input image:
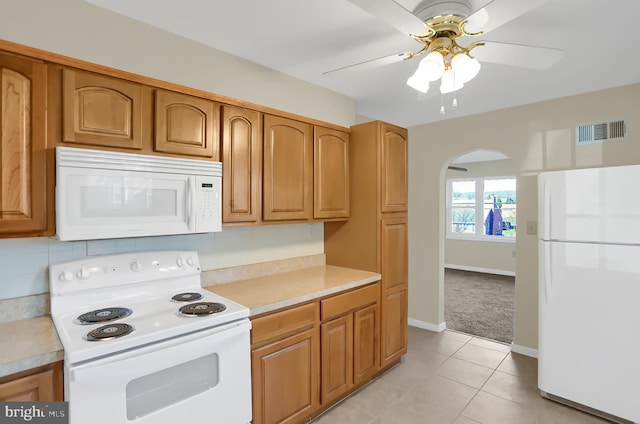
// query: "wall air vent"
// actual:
[[598, 133]]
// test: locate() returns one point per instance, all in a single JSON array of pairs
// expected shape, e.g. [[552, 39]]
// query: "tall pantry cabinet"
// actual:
[[376, 237]]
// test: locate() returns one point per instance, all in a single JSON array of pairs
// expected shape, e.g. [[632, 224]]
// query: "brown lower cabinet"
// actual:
[[285, 383], [349, 341], [43, 384], [308, 357], [285, 365]]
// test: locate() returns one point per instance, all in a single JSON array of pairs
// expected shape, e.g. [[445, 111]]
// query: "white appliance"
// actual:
[[102, 194], [589, 290], [145, 343]]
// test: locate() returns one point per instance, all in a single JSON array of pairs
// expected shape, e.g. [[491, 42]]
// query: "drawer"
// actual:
[[342, 303], [284, 322]]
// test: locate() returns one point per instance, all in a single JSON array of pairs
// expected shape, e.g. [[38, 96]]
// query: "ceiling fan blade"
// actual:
[[457, 168], [497, 13], [393, 14], [373, 63], [518, 55]]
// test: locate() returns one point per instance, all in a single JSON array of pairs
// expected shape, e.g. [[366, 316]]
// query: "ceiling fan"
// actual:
[[440, 26]]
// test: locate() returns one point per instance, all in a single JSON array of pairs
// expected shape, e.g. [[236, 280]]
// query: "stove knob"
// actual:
[[66, 275], [136, 266], [180, 261], [83, 273], [191, 261]]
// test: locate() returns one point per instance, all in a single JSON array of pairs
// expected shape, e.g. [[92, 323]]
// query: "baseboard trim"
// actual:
[[523, 350], [483, 270], [427, 325]]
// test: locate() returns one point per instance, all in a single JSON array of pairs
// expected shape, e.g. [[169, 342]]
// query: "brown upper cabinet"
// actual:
[[394, 170], [23, 195], [186, 125], [330, 174], [276, 168], [288, 170], [242, 158], [101, 111]]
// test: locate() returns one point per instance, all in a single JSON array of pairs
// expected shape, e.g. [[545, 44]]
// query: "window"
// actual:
[[482, 208]]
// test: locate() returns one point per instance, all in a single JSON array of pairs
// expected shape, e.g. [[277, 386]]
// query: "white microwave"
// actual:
[[103, 194]]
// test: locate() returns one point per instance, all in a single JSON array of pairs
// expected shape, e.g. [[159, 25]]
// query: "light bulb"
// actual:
[[418, 82], [449, 82], [465, 67], [432, 66]]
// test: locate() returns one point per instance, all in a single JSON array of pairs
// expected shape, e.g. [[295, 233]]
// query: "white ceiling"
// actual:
[[304, 38]]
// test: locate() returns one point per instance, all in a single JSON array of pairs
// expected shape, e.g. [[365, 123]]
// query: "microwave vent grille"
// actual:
[[101, 159]]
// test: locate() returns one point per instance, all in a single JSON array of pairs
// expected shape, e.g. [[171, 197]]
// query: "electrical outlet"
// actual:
[[532, 228]]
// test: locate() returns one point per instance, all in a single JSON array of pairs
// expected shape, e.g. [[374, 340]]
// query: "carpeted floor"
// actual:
[[479, 304]]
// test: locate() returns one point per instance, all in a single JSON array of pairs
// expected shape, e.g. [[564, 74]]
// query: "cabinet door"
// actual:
[[394, 331], [366, 344], [22, 145], [101, 111], [394, 172], [285, 379], [37, 387], [241, 170], [394, 253], [288, 170], [336, 339], [186, 125], [330, 174]]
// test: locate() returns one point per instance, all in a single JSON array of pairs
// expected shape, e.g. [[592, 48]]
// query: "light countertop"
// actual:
[[33, 342], [28, 343], [272, 292]]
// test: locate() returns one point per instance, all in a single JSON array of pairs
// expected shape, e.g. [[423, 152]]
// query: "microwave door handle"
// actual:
[[189, 205]]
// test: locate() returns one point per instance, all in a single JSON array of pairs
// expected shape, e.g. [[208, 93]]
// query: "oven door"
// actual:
[[191, 377]]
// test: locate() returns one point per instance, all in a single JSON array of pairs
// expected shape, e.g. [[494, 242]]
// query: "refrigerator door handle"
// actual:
[[547, 272], [546, 223]]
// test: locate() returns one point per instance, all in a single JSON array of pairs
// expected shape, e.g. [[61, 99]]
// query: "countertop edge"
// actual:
[[259, 310], [26, 364]]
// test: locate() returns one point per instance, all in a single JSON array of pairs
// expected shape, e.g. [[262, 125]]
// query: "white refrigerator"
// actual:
[[589, 289]]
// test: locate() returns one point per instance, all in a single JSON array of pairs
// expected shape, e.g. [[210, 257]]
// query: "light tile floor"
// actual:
[[454, 378]]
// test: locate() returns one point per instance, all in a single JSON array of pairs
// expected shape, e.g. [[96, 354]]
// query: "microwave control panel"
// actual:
[[208, 204]]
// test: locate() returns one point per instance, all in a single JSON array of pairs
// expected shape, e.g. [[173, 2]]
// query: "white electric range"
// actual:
[[142, 336]]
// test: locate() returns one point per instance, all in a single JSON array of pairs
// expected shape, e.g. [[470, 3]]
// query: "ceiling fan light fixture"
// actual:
[[418, 82], [465, 67], [449, 83], [432, 66]]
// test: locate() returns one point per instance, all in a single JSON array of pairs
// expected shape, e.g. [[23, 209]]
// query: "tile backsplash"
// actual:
[[24, 262]]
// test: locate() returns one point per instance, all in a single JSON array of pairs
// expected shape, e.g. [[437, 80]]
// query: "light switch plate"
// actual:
[[532, 228]]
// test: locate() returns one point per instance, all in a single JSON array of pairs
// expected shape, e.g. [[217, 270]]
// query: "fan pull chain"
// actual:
[[455, 102], [442, 111]]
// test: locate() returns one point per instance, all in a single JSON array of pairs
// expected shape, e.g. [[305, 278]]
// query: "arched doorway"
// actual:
[[479, 245]]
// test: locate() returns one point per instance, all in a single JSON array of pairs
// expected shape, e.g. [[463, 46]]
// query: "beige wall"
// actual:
[[484, 256], [81, 30], [536, 137]]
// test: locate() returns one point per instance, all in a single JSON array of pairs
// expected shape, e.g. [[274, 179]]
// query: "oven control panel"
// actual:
[[121, 270]]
